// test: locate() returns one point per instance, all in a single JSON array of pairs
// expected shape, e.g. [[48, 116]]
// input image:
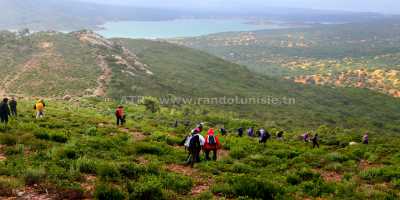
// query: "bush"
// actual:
[[59, 137], [8, 140], [176, 182], [34, 176], [92, 131], [151, 104], [131, 170], [108, 172], [7, 186], [146, 188], [254, 187], [317, 187], [42, 135], [86, 165], [146, 148], [293, 179], [108, 192]]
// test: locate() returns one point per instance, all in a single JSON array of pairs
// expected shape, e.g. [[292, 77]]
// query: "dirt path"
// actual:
[[138, 136], [104, 78], [202, 181], [2, 156]]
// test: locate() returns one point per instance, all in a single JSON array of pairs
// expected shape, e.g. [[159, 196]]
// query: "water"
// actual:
[[179, 28]]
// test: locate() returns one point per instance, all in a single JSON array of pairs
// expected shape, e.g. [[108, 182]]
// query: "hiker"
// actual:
[[306, 137], [195, 144], [120, 115], [264, 136], [250, 132], [223, 131], [211, 144], [240, 132], [13, 107], [4, 111], [365, 139], [279, 136], [315, 141], [39, 107], [200, 127]]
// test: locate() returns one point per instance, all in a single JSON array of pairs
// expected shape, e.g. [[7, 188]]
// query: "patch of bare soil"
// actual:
[[89, 185], [202, 182], [330, 176], [138, 136], [365, 164], [31, 193], [2, 156]]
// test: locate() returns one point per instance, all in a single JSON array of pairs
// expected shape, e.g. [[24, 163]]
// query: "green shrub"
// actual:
[[317, 188], [7, 186], [146, 148], [92, 131], [151, 104], [86, 165], [176, 182], [337, 157], [34, 176], [42, 135], [59, 137], [146, 188], [108, 172], [108, 192], [254, 187], [131, 170], [8, 139], [293, 179]]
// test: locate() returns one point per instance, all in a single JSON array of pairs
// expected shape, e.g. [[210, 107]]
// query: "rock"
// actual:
[[20, 193], [67, 98], [353, 143]]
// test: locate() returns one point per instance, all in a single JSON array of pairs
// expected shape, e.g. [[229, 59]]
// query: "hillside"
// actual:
[[360, 55], [76, 152], [84, 64]]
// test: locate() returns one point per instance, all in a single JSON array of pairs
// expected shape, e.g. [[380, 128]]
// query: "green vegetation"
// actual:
[[76, 152]]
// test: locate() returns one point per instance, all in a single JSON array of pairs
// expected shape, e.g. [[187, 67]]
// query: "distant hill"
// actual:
[[361, 55], [85, 64]]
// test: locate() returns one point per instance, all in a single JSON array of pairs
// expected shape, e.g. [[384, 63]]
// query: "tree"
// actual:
[[151, 104]]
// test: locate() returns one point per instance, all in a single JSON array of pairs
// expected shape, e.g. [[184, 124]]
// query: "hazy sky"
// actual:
[[384, 6]]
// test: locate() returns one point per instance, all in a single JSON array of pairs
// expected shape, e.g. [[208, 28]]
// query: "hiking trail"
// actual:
[[104, 78]]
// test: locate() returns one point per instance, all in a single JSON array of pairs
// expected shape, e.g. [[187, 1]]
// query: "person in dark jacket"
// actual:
[[4, 111], [240, 131], [13, 107], [196, 142], [315, 140], [264, 136]]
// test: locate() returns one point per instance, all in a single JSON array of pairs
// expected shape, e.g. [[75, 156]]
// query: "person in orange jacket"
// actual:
[[211, 144]]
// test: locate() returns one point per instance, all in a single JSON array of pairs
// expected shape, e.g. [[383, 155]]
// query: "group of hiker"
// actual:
[[262, 133], [8, 108], [195, 143]]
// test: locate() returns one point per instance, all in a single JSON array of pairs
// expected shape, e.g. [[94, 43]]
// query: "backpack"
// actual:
[[194, 142], [211, 140]]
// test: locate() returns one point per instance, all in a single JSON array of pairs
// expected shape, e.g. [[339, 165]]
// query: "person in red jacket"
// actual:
[[211, 144], [120, 115]]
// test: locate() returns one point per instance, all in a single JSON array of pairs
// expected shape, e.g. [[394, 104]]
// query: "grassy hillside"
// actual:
[[85, 64], [77, 152]]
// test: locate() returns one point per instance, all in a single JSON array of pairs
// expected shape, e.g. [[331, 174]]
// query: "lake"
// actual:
[[179, 28]]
